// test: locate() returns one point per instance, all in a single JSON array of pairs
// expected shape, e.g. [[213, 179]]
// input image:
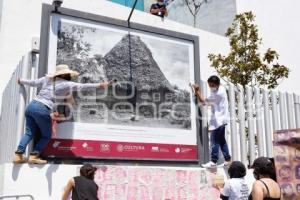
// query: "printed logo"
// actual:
[[177, 150], [185, 150], [104, 147], [84, 145], [120, 148], [55, 144], [87, 147], [155, 149], [159, 149]]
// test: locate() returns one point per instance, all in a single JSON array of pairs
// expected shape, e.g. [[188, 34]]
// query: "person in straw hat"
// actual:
[[39, 112]]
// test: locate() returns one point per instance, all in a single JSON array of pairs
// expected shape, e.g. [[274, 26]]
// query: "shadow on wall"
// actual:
[[15, 172], [49, 175]]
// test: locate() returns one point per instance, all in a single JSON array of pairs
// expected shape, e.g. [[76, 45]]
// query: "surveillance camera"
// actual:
[[57, 4]]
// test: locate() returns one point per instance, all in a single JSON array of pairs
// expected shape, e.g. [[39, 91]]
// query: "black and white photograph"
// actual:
[[152, 74]]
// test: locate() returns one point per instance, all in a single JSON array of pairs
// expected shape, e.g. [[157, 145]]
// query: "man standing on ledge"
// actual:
[[219, 119], [159, 8]]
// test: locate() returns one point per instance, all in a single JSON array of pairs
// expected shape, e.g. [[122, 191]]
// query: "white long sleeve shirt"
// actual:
[[63, 88], [219, 108]]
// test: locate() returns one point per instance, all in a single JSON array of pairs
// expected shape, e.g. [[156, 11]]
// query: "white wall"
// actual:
[[279, 27], [21, 22], [42, 182], [46, 182]]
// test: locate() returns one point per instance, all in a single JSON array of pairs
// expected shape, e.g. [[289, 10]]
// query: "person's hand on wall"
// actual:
[[54, 116], [196, 88], [197, 92], [164, 12], [107, 84]]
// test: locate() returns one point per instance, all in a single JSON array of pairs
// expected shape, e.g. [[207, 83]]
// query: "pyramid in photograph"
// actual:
[[142, 68]]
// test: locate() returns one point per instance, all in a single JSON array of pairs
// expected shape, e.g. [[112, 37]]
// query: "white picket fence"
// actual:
[[14, 100], [255, 113]]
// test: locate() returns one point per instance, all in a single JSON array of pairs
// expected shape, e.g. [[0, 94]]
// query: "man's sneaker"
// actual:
[[210, 164], [225, 164]]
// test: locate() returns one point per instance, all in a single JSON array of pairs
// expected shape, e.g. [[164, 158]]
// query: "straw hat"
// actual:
[[62, 69]]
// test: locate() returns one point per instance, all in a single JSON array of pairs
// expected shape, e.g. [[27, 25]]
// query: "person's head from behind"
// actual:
[[63, 71], [213, 83], [237, 170], [88, 171], [263, 167]]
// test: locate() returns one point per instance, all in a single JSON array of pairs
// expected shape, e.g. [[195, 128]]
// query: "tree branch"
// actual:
[[187, 3]]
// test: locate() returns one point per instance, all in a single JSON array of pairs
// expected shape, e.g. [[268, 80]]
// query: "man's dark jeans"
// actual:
[[218, 140]]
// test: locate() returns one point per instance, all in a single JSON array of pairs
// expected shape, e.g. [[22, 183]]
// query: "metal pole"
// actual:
[[275, 120], [249, 106], [22, 100], [297, 110], [132, 9], [259, 128], [234, 143], [290, 110], [241, 114], [268, 133], [204, 135], [282, 109]]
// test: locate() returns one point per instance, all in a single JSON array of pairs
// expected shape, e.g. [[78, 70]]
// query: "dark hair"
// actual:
[[88, 171], [214, 79], [66, 77], [264, 166], [237, 170]]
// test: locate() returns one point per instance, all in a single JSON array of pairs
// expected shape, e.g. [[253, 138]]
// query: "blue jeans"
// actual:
[[37, 117], [218, 140]]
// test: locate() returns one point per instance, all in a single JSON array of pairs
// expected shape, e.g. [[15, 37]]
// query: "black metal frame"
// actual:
[[48, 10]]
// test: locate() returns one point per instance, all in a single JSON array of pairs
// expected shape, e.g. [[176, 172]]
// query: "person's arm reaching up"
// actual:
[[33, 83], [198, 93], [86, 86]]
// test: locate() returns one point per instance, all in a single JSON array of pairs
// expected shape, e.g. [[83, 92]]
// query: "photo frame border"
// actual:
[[47, 10]]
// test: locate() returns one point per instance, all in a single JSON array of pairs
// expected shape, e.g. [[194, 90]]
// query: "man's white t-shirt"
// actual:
[[236, 189], [219, 108]]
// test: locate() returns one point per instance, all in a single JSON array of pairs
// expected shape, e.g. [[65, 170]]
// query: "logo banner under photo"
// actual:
[[287, 162], [148, 114]]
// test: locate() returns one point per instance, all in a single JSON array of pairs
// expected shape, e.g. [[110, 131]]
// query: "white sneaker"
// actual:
[[225, 164], [210, 164]]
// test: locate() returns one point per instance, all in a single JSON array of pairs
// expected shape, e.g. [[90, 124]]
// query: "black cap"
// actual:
[[237, 170]]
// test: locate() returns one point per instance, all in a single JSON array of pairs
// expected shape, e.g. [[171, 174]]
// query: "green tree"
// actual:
[[244, 64]]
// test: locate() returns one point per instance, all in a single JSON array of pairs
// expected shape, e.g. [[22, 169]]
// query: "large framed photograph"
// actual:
[[149, 113]]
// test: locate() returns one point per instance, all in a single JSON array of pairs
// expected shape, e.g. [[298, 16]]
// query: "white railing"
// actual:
[[14, 99], [255, 114]]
